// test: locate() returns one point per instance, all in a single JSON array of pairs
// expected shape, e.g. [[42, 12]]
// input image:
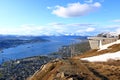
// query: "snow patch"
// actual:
[[103, 57], [110, 44]]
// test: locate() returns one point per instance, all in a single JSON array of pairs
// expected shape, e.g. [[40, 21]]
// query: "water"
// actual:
[[35, 49]]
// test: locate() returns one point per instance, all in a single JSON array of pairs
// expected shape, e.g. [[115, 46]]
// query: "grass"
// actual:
[[95, 52], [1, 75], [110, 69]]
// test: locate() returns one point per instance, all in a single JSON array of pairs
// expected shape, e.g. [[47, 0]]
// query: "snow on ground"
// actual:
[[110, 44], [103, 57]]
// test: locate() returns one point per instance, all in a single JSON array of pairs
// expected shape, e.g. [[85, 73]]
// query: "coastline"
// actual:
[[5, 44]]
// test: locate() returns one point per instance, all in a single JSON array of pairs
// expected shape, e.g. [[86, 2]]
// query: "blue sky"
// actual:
[[56, 17]]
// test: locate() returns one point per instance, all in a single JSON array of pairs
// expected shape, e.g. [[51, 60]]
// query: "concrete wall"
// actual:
[[96, 42], [108, 40]]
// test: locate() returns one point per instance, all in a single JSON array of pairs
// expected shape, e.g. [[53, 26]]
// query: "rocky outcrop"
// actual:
[[64, 70]]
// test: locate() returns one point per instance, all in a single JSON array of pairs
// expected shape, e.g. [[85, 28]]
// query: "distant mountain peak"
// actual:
[[109, 34]]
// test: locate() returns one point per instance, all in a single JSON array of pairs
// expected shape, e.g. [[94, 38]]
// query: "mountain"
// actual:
[[97, 64], [7, 41], [108, 34], [4, 37]]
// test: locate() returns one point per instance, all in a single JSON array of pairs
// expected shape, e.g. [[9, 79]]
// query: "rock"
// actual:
[[70, 79], [60, 75]]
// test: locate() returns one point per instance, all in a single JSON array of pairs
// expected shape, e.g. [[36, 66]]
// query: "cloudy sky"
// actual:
[[59, 17]]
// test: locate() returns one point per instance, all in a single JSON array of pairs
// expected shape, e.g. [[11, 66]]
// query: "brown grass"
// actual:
[[70, 68], [95, 52], [47, 72], [110, 70], [79, 70]]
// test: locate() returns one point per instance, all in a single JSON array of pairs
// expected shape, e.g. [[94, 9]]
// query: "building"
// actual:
[[102, 39]]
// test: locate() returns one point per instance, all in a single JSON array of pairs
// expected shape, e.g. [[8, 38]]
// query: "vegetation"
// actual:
[[1, 75], [75, 49], [22, 68], [82, 47]]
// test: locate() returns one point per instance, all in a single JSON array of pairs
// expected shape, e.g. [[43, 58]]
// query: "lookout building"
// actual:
[[102, 39]]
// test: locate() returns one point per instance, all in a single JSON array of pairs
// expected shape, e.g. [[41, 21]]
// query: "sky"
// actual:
[[59, 17]]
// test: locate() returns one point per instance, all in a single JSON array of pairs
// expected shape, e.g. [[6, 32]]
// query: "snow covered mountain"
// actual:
[[108, 34]]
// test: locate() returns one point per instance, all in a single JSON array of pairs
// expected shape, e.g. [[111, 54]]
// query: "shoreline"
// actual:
[[24, 42]]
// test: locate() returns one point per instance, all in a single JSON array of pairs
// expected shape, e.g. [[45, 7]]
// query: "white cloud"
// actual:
[[118, 30], [23, 30], [90, 29], [60, 28], [75, 28], [97, 5], [50, 29], [117, 20], [75, 9], [113, 26]]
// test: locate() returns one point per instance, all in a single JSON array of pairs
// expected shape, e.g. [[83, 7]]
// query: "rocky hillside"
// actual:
[[20, 69], [82, 68]]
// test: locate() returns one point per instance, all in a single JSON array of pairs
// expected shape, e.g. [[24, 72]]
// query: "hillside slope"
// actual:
[[81, 68], [64, 70], [106, 52]]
